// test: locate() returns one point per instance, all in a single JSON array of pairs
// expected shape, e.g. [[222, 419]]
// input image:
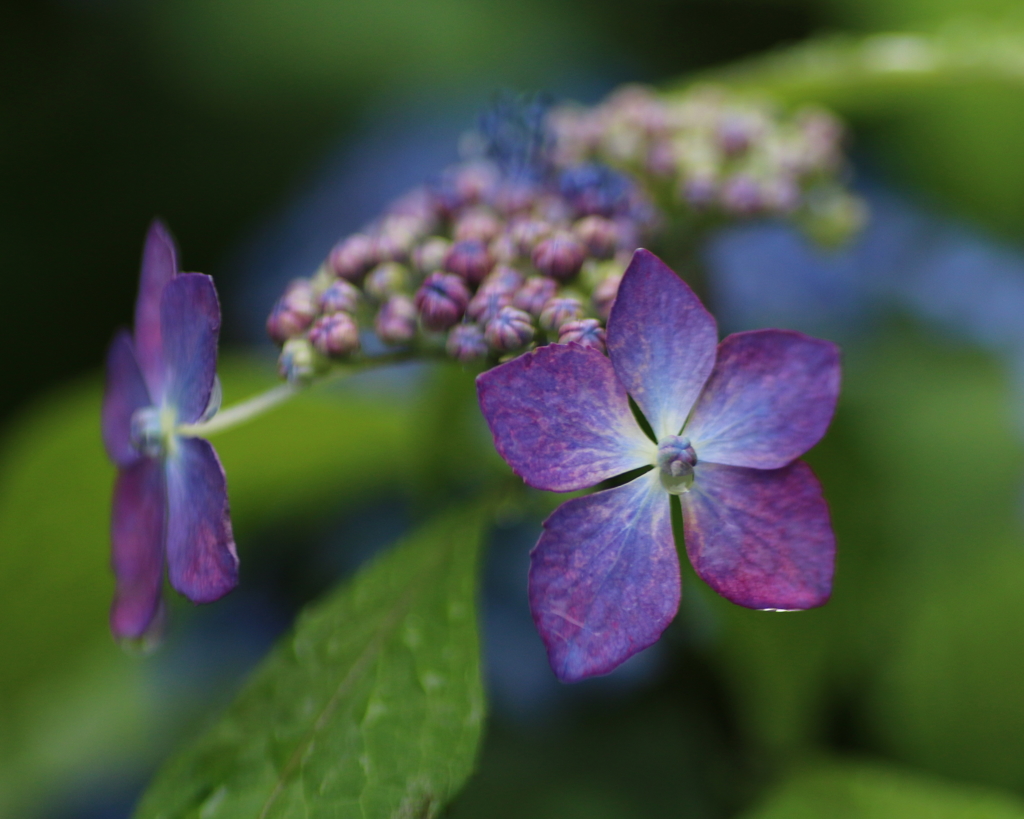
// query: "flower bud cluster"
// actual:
[[716, 153], [525, 242], [482, 265]]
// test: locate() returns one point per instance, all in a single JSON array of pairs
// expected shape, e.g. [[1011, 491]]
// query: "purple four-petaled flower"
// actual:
[[729, 421], [170, 498]]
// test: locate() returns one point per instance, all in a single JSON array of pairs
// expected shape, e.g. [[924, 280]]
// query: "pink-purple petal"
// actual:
[[137, 533], [201, 559], [661, 341], [159, 266], [190, 317], [760, 538], [561, 419], [604, 578], [769, 399], [125, 392]]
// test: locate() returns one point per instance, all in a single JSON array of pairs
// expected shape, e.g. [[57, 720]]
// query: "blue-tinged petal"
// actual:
[[561, 418], [159, 266], [201, 559], [137, 533], [760, 538], [769, 399], [661, 341], [190, 317], [604, 578], [125, 392]]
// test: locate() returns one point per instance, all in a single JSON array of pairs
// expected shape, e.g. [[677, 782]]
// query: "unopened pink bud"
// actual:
[[599, 236], [466, 342], [510, 329], [396, 320], [504, 278], [534, 294], [391, 247], [558, 311], [486, 303], [476, 181], [293, 313], [429, 255], [385, 280], [560, 256], [470, 259], [339, 296], [504, 250], [515, 197], [585, 332], [352, 257], [442, 300], [334, 335], [478, 224], [527, 233], [742, 195]]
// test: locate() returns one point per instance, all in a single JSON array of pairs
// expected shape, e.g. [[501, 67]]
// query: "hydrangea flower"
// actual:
[[729, 422], [170, 498]]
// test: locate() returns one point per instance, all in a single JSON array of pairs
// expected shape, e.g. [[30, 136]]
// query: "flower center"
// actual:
[[676, 460], [152, 429]]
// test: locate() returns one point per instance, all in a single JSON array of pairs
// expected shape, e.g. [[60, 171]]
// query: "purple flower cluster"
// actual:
[[170, 499], [483, 264], [717, 153], [729, 422]]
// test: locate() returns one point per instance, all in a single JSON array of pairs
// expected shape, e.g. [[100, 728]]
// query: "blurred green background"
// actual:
[[902, 697]]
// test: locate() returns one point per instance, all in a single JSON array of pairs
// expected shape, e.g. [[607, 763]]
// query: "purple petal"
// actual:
[[159, 266], [760, 538], [770, 399], [125, 392], [661, 341], [604, 578], [201, 559], [137, 533], [561, 418], [190, 317]]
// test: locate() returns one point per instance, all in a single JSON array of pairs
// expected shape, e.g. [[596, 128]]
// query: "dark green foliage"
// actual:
[[859, 791], [371, 708]]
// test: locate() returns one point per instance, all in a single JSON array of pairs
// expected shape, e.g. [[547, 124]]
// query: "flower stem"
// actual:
[[240, 413], [257, 405]]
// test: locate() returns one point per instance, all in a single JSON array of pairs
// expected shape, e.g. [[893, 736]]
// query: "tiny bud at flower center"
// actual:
[[676, 460]]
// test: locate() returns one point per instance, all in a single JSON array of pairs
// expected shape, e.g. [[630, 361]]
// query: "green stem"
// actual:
[[254, 407], [240, 413]]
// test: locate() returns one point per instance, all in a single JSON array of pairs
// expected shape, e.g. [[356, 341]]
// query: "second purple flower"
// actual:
[[729, 422]]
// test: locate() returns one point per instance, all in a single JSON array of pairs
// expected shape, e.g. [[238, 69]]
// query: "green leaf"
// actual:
[[371, 708], [860, 791]]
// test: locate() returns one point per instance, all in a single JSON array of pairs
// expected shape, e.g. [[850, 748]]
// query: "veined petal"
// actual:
[[604, 578], [125, 392], [190, 317], [201, 559], [561, 419], [661, 342], [137, 533], [159, 266], [769, 399], [760, 538]]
